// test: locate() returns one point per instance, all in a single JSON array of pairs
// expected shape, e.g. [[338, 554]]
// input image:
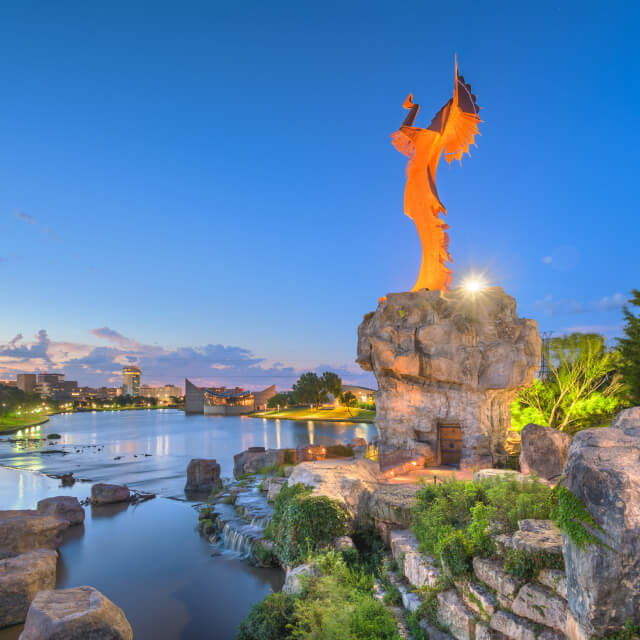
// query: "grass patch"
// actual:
[[339, 414]]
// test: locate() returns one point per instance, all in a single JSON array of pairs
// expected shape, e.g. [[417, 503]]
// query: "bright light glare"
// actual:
[[473, 284]]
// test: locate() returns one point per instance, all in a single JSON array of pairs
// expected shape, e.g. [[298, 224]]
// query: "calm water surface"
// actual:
[[149, 559]]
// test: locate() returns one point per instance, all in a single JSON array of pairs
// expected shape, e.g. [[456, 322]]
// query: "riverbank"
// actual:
[[339, 414], [14, 424]]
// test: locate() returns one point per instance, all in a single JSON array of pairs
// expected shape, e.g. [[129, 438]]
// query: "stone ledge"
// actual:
[[492, 573], [453, 614], [539, 604]]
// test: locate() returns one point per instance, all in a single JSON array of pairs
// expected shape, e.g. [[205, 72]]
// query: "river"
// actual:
[[149, 559]]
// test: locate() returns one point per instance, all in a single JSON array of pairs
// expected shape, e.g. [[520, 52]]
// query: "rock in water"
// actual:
[[21, 578], [603, 470], [75, 614], [64, 508], [109, 493], [544, 451], [448, 368], [25, 530], [203, 475]]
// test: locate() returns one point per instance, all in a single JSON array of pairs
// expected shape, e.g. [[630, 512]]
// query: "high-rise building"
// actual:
[[27, 382], [131, 381]]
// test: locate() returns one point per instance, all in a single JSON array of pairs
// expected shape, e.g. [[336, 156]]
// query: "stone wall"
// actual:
[[443, 359]]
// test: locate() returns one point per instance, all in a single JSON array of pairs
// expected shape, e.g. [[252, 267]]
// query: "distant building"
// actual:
[[362, 394], [223, 401], [27, 382], [161, 394], [131, 381]]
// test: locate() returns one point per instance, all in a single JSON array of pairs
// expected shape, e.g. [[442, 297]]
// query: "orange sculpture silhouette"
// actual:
[[451, 131]]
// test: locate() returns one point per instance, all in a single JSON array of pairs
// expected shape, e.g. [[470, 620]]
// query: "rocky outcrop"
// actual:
[[21, 578], [419, 569], [203, 476], [109, 493], [513, 626], [26, 530], [256, 458], [66, 508], [273, 486], [75, 614], [537, 536], [492, 573], [454, 615], [541, 605], [449, 360], [603, 471], [543, 451]]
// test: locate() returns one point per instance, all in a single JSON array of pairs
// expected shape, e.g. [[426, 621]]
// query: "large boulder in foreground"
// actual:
[[543, 451], [448, 368], [24, 530], [65, 508], [21, 578], [256, 458], [75, 614], [203, 475], [109, 493], [603, 470]]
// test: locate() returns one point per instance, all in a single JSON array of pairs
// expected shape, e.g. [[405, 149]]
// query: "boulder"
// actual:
[[75, 614], [419, 569], [256, 458], [109, 493], [203, 475], [273, 487], [543, 451], [64, 508], [536, 536], [293, 584], [479, 599], [513, 626], [446, 361], [499, 474], [555, 579], [454, 615], [25, 530], [539, 604], [603, 471], [492, 573], [343, 543], [310, 452], [21, 578], [433, 633]]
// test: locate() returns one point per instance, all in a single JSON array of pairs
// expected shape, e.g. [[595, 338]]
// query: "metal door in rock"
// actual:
[[450, 443]]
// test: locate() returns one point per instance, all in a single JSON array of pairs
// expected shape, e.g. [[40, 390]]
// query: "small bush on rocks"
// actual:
[[302, 523], [528, 565], [269, 619]]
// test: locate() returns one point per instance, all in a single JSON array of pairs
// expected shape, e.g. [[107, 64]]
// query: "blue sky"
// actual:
[[209, 188]]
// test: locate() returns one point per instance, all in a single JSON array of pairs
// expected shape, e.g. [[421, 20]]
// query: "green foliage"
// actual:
[[528, 565], [339, 451], [313, 389], [629, 632], [413, 622], [302, 523], [332, 383], [392, 595], [571, 515], [338, 605], [629, 347], [280, 400], [269, 619], [581, 390], [263, 555], [453, 520], [53, 436], [289, 457]]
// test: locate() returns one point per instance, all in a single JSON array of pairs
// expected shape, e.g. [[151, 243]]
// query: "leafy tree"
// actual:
[[332, 383], [310, 388], [349, 400], [630, 349], [279, 400], [582, 386]]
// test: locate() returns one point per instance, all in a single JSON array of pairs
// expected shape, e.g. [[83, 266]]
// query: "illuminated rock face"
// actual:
[[448, 367]]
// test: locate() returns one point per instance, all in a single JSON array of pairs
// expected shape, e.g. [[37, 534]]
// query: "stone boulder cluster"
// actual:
[[29, 540], [448, 367]]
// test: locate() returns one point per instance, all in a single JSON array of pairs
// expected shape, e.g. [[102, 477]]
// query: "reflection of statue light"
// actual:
[[310, 429], [451, 132], [278, 433]]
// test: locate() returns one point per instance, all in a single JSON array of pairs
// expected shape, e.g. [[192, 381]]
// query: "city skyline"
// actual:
[[210, 205]]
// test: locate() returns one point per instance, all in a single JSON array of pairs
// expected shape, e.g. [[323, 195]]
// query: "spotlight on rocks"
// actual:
[[473, 284]]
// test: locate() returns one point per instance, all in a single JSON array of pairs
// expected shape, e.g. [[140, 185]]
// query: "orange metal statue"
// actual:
[[452, 131]]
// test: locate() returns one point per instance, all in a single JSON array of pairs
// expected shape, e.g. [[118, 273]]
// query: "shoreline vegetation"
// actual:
[[334, 414]]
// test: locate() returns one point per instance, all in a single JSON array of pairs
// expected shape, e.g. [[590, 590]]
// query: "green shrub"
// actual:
[[339, 451], [629, 632], [302, 523], [53, 436], [269, 619], [392, 595], [455, 553], [571, 515], [371, 620], [289, 457], [528, 565]]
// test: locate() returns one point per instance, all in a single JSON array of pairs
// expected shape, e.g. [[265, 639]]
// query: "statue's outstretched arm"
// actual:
[[413, 111]]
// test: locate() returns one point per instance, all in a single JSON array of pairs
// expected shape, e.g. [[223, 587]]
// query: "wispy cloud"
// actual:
[[550, 306], [210, 364], [29, 219]]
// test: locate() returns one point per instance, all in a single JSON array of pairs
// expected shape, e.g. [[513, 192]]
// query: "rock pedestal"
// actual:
[[603, 470], [203, 475], [447, 364], [75, 614]]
